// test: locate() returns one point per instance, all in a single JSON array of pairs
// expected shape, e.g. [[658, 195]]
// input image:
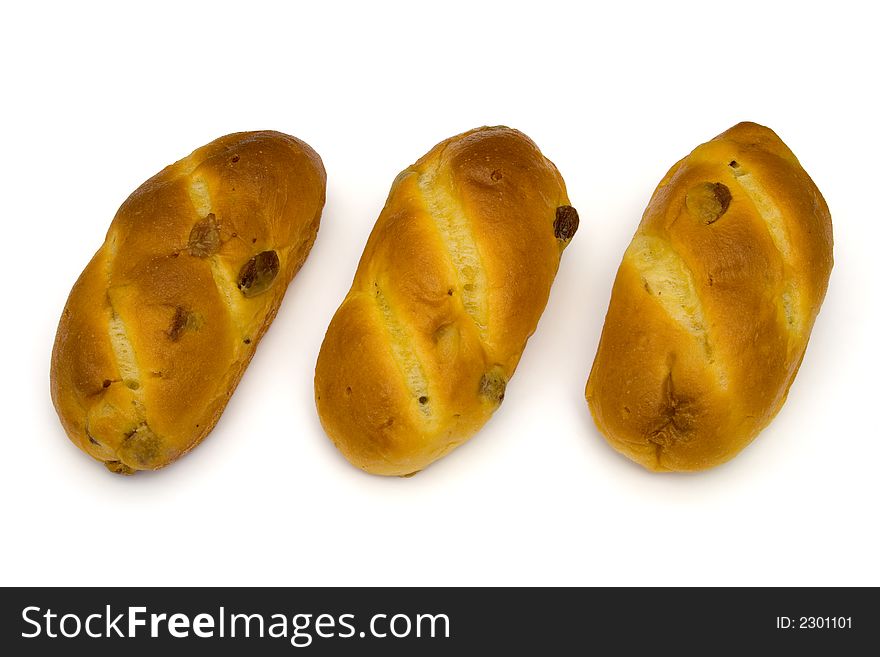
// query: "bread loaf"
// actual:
[[451, 284], [160, 326], [713, 304]]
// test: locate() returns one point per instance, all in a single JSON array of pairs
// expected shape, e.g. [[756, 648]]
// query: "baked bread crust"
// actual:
[[713, 304], [451, 284], [165, 318]]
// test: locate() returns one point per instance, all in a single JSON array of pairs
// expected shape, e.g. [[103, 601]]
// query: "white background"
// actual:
[[98, 98]]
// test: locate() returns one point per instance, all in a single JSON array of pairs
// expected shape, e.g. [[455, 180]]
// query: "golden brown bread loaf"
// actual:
[[713, 304], [451, 284], [165, 318]]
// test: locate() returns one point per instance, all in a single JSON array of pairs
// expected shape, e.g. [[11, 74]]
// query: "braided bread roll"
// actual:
[[451, 284], [165, 318], [713, 304]]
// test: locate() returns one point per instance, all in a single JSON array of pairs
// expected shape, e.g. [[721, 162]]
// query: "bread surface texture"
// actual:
[[451, 284], [713, 304], [163, 321]]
